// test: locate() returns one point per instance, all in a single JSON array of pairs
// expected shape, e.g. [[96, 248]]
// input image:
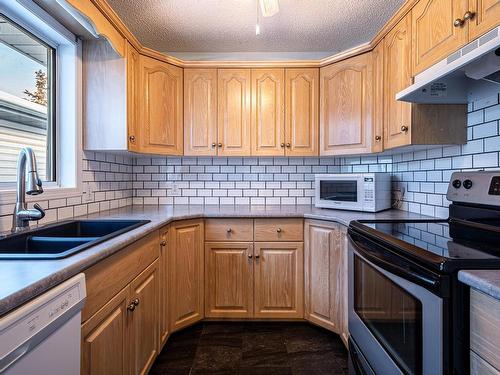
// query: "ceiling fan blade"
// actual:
[[269, 7]]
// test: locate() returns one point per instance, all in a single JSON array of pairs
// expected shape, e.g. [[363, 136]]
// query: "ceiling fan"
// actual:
[[268, 8]]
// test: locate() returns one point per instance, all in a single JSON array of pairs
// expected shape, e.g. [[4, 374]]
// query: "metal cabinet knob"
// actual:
[[288, 145], [219, 145], [136, 301], [132, 138], [469, 15], [282, 145], [131, 307], [229, 230], [163, 243], [458, 22], [250, 256], [278, 230], [257, 256], [404, 128], [378, 138], [214, 144]]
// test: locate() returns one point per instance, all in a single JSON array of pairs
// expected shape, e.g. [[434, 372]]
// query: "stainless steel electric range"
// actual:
[[408, 313]]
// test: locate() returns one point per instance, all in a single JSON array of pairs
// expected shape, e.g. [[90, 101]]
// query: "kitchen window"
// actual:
[[27, 77], [40, 99]]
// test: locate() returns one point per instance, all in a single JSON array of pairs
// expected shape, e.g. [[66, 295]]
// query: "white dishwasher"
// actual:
[[43, 336]]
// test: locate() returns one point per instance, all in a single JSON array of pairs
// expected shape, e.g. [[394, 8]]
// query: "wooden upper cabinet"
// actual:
[[200, 112], [397, 76], [144, 327], [378, 98], [279, 280], [133, 73], [302, 111], [233, 123], [486, 16], [347, 106], [185, 262], [267, 122], [161, 108], [434, 34], [229, 279]]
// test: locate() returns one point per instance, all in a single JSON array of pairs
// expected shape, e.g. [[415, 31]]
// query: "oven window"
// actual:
[[342, 191], [392, 315]]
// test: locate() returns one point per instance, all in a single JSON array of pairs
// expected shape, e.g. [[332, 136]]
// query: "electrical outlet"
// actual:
[[175, 191], [87, 195]]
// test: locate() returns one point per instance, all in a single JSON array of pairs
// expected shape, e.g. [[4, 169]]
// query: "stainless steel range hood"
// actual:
[[448, 81]]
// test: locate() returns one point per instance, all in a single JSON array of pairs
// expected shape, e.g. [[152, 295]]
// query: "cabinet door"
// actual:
[[233, 118], [323, 292], [104, 339], [434, 34], [164, 321], [133, 73], [279, 280], [229, 279], [301, 111], [143, 331], [397, 76], [486, 17], [378, 98], [161, 107], [346, 106], [344, 292], [186, 273], [200, 112], [268, 132]]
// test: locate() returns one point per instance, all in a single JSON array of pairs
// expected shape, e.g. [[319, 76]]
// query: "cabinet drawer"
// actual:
[[279, 230], [485, 327], [229, 230]]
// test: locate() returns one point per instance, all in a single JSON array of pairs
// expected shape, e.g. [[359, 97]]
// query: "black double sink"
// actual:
[[63, 239]]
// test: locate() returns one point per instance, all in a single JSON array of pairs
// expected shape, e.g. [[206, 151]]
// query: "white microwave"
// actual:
[[370, 192]]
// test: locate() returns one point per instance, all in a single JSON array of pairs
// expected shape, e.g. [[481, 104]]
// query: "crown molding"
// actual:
[[104, 7]]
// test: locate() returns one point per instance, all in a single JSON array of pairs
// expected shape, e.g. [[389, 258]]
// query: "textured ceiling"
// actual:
[[222, 26]]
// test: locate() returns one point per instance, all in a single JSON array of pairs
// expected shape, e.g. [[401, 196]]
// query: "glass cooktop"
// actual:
[[444, 238]]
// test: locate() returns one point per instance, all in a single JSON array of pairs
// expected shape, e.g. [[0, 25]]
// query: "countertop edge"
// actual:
[[486, 281]]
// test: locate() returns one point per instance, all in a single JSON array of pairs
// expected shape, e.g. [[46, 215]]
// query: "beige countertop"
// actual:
[[22, 280]]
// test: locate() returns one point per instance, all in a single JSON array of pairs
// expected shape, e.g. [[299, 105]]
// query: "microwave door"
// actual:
[[341, 192]]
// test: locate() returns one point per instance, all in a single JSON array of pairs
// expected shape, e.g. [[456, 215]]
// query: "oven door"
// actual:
[[396, 323], [343, 191]]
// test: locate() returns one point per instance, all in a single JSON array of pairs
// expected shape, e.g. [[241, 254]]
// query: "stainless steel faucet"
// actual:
[[26, 170]]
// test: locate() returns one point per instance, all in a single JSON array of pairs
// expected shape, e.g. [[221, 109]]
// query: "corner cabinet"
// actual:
[[414, 124], [346, 125], [185, 268], [325, 270], [160, 108]]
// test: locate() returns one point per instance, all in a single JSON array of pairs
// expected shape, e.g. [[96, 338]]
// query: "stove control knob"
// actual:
[[467, 184], [456, 184]]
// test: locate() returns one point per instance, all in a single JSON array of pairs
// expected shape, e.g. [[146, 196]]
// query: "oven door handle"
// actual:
[[406, 273]]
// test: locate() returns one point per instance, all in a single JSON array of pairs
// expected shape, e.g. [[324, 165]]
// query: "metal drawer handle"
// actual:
[[404, 128]]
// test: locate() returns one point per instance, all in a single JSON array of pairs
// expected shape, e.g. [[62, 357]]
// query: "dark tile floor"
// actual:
[[252, 348]]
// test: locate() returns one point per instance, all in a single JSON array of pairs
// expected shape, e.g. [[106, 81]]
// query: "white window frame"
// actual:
[[68, 98]]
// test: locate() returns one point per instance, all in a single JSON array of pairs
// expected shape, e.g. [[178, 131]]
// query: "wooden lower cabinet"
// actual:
[[279, 280], [185, 269], [143, 334], [104, 339], [325, 270], [122, 337], [228, 279], [164, 300]]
